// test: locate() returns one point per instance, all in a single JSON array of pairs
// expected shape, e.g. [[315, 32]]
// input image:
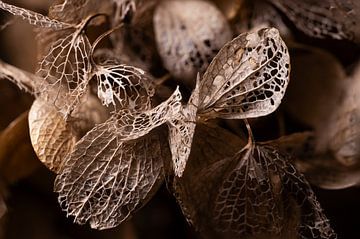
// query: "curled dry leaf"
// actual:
[[247, 78], [115, 167], [17, 158], [187, 41], [296, 144], [336, 19]]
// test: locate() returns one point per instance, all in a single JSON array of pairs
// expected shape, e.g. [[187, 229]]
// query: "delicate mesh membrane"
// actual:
[[124, 86], [33, 17], [248, 77]]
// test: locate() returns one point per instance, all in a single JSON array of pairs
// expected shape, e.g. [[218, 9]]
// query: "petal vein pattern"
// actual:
[[247, 78], [115, 166], [33, 18], [66, 71]]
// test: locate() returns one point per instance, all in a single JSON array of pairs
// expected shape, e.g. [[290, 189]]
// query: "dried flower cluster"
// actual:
[[113, 132]]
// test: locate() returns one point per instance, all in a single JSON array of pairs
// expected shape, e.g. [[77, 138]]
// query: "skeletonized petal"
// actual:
[[33, 18], [262, 194], [114, 168], [65, 70], [247, 78], [181, 132], [106, 179], [124, 87]]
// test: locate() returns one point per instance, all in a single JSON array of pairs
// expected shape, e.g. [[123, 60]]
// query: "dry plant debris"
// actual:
[[130, 94]]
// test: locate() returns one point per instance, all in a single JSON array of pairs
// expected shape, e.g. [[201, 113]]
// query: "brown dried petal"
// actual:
[[336, 19], [17, 157]]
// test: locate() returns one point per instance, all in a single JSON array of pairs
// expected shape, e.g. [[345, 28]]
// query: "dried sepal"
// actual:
[[192, 189], [52, 138], [187, 41], [65, 70], [247, 78], [106, 178], [262, 191], [256, 193], [181, 132], [33, 18], [124, 86], [116, 166], [323, 19]]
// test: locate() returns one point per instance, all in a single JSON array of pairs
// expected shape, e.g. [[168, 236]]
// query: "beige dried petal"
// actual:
[[52, 138], [247, 78], [229, 7], [187, 41]]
